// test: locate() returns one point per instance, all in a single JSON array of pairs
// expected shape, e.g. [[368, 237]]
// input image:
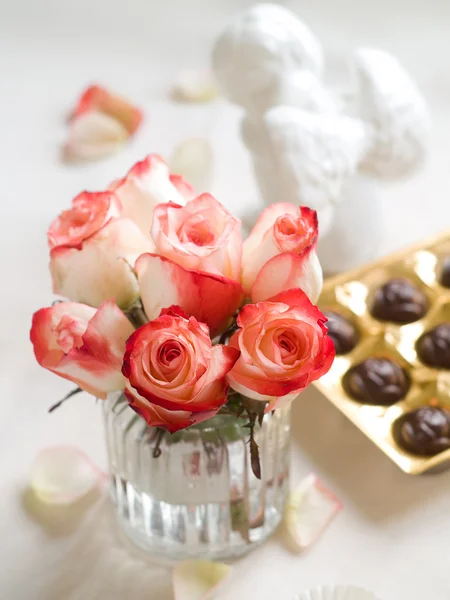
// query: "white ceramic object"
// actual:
[[257, 54], [338, 592], [391, 102], [314, 155], [357, 226], [312, 145]]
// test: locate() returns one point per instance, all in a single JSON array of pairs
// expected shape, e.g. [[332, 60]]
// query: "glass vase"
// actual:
[[199, 498]]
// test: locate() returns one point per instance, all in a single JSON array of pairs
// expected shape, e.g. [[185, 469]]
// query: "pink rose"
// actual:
[[211, 299], [280, 253], [89, 213], [82, 344], [202, 235], [171, 364], [147, 184], [284, 346], [100, 266]]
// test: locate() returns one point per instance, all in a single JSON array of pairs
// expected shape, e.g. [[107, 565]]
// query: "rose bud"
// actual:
[[98, 99], [92, 253], [82, 344], [202, 235], [211, 299], [147, 184], [175, 376], [280, 253], [284, 346], [89, 213]]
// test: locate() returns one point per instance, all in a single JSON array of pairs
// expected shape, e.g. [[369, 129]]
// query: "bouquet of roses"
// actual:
[[167, 302]]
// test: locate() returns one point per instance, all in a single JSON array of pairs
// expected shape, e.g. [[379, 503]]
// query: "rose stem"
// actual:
[[254, 449], [228, 333], [136, 315], [66, 397], [159, 438]]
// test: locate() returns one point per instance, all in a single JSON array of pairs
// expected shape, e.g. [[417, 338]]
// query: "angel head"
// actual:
[[261, 50]]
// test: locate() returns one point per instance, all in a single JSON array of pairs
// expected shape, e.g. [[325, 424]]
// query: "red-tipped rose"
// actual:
[[202, 236], [280, 253], [82, 344], [175, 376], [90, 212], [147, 184], [284, 346]]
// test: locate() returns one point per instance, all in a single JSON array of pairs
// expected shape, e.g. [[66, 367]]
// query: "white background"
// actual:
[[393, 535]]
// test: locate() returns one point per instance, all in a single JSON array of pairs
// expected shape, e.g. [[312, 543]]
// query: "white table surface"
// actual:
[[393, 535]]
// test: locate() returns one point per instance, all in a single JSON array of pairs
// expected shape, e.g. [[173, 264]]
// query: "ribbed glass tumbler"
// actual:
[[199, 498]]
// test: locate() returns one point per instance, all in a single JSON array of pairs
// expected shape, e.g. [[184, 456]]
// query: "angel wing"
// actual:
[[390, 101]]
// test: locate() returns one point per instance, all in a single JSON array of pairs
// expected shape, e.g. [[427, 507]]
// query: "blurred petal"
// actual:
[[195, 86], [198, 579], [310, 509], [338, 592], [99, 99], [63, 475], [92, 136], [194, 159]]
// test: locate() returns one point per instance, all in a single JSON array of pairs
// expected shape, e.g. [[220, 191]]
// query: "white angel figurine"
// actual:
[[311, 145]]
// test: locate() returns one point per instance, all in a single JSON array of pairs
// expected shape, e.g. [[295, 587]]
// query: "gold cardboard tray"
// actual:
[[351, 294]]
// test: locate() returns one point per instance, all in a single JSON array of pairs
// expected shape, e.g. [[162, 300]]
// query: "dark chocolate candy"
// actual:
[[444, 278], [376, 381], [433, 347], [342, 331], [399, 301], [424, 431]]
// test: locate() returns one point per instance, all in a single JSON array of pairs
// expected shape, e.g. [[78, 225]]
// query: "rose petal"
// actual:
[[198, 579], [157, 416], [63, 475], [183, 186], [288, 271], [98, 99], [338, 592], [92, 136], [195, 86], [194, 159], [260, 246], [147, 184], [102, 268], [310, 509], [211, 299]]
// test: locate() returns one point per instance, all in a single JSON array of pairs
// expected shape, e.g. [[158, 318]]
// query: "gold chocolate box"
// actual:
[[353, 295]]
